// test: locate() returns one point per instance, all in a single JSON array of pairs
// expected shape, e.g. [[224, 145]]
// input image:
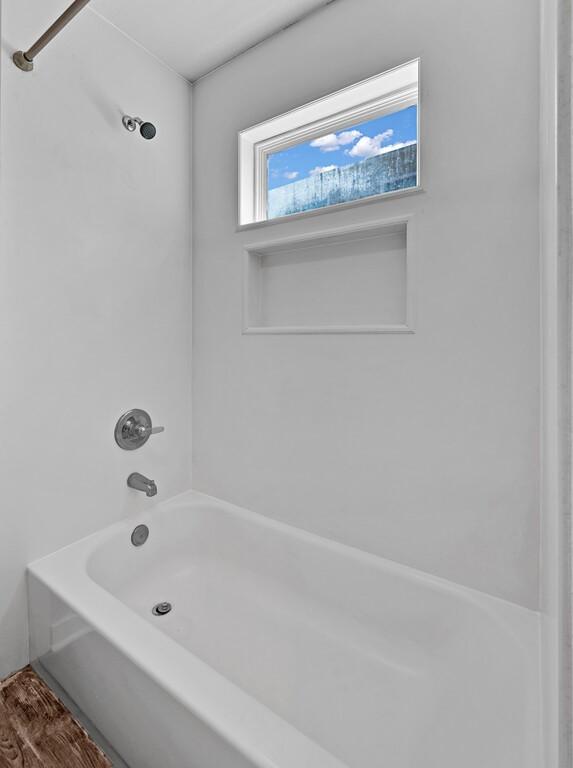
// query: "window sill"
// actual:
[[325, 329]]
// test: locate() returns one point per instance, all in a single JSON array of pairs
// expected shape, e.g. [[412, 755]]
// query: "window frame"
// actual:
[[382, 94]]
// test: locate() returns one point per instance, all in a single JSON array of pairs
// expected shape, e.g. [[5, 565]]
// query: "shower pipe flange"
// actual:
[[20, 60], [24, 60]]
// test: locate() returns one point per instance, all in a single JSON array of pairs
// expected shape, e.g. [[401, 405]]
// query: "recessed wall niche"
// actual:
[[352, 280]]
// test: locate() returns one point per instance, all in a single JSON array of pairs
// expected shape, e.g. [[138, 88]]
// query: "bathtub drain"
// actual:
[[161, 609]]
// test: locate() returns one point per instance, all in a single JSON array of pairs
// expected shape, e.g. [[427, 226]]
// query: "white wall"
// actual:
[[94, 289], [421, 448]]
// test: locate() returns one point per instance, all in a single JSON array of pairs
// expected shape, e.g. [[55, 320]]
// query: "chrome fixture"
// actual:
[[139, 535], [147, 130], [161, 609], [134, 429], [24, 60], [141, 483]]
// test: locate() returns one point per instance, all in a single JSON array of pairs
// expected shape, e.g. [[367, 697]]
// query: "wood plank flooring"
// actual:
[[37, 731]]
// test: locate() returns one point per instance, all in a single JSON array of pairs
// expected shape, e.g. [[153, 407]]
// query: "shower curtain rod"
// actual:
[[24, 60]]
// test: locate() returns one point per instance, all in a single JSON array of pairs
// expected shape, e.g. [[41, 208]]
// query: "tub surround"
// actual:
[[107, 208], [421, 448]]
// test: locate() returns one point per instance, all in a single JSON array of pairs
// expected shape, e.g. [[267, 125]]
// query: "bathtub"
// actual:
[[282, 650]]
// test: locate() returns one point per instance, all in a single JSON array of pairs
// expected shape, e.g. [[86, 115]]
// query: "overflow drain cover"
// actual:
[[139, 535], [161, 609]]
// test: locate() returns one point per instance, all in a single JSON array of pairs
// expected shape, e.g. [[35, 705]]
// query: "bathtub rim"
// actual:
[[87, 545]]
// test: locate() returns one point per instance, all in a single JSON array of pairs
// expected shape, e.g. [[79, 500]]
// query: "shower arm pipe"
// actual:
[[25, 59]]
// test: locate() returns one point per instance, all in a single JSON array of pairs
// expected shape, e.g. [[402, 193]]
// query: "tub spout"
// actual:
[[142, 483]]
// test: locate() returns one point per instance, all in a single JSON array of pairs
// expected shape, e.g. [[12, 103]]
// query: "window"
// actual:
[[361, 142]]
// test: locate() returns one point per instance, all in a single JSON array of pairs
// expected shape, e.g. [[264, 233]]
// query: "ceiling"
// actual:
[[195, 36]]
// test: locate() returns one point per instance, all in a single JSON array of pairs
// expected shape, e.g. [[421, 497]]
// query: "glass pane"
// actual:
[[360, 161]]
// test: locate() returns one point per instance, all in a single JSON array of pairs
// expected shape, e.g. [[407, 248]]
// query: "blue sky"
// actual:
[[346, 147]]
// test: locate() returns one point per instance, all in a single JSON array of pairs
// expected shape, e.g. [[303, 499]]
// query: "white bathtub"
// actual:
[[283, 650]]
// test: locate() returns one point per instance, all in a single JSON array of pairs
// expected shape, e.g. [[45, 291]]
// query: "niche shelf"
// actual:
[[350, 280]]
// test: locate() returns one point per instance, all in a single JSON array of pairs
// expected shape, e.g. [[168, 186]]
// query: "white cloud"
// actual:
[[370, 146], [333, 141], [322, 169], [291, 175]]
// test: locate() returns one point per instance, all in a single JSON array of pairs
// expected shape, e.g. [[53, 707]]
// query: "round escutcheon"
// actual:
[[139, 535]]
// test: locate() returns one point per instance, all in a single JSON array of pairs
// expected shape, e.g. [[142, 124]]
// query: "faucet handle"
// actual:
[[134, 429], [144, 429]]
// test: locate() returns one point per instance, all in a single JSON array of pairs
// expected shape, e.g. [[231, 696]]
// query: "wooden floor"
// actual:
[[37, 730]]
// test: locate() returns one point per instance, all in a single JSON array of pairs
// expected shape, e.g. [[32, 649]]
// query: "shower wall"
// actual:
[[421, 448], [94, 288]]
